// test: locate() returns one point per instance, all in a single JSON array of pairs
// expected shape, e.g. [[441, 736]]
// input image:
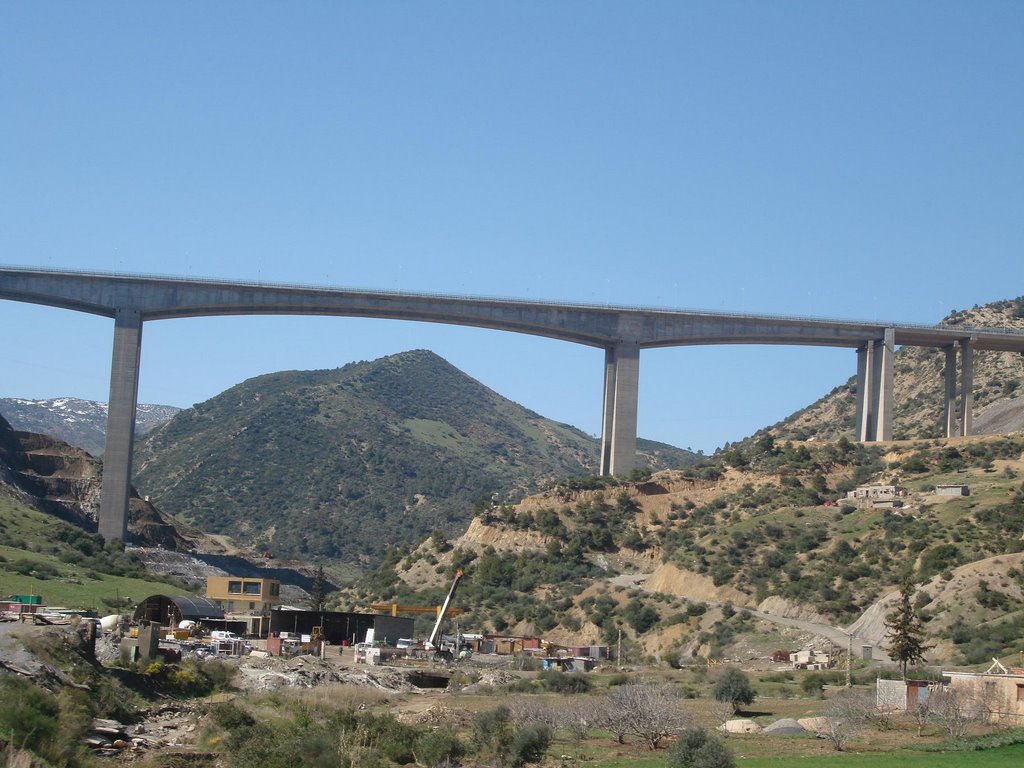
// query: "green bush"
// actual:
[[229, 716], [696, 748], [560, 682], [492, 730], [440, 747], [527, 745], [49, 727], [392, 738]]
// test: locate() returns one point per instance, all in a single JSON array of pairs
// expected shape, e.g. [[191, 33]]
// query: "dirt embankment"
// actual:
[[672, 580]]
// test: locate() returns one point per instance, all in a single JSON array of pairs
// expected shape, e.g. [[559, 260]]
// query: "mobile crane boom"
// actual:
[[435, 634]]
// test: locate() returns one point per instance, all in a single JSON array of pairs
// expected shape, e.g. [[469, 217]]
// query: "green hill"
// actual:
[[343, 463], [681, 562]]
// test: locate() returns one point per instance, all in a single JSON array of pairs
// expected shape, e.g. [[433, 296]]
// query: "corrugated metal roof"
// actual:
[[191, 607], [197, 607]]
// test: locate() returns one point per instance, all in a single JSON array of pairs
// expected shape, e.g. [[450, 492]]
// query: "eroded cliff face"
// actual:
[[64, 481]]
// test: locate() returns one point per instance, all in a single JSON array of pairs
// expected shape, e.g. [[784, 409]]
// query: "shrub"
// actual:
[[29, 719], [440, 747], [560, 682], [229, 716], [492, 730], [527, 745], [392, 738], [696, 748]]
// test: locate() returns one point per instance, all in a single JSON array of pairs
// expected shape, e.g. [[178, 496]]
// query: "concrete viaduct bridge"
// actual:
[[621, 332]]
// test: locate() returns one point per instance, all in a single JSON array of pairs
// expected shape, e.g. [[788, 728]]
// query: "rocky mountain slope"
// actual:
[[81, 423], [51, 476], [998, 388], [343, 463]]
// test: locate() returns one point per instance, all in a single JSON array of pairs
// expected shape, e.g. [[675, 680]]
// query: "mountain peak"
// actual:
[[343, 463]]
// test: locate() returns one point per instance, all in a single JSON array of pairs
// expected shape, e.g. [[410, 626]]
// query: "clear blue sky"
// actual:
[[836, 159]]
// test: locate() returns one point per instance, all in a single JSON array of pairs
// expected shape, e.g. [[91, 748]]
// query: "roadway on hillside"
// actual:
[[834, 635]]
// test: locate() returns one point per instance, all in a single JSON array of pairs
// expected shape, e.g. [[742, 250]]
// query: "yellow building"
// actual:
[[245, 599]]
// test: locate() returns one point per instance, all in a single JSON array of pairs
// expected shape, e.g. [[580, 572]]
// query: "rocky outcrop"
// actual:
[[66, 482], [672, 580], [780, 606]]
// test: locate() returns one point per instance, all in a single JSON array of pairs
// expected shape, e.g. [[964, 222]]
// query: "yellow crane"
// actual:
[[394, 609]]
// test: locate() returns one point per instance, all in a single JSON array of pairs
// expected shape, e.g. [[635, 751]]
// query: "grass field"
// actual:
[[1002, 757], [996, 758], [28, 536]]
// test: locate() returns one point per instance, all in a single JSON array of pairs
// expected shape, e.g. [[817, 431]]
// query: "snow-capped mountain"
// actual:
[[79, 422]]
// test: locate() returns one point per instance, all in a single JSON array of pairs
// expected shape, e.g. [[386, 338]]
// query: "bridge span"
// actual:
[[132, 300]]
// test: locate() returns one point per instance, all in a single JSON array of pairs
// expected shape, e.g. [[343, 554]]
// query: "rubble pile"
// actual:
[[439, 715], [271, 673], [489, 681], [169, 726]]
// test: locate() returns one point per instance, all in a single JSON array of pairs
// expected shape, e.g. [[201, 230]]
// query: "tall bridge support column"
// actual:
[[117, 454], [608, 416], [866, 387], [949, 401], [862, 368], [621, 392], [875, 377], [967, 387], [886, 376]]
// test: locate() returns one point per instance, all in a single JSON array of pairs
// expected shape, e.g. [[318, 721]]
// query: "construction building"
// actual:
[[245, 600]]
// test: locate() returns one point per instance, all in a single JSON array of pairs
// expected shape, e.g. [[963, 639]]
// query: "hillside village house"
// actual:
[[1001, 691], [243, 599], [998, 690], [876, 492]]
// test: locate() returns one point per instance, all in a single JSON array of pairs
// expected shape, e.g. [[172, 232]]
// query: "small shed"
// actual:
[[952, 490]]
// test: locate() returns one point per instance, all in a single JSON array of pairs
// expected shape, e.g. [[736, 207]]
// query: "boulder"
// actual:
[[787, 726], [740, 726], [814, 724]]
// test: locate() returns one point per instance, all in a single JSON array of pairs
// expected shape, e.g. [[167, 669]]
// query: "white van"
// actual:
[[220, 634]]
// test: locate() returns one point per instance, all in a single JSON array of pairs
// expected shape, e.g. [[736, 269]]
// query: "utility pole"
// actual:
[[849, 661], [618, 650]]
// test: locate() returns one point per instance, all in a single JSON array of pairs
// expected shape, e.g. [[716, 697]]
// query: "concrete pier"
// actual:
[[886, 351], [949, 400], [120, 438], [608, 413], [621, 396], [869, 381], [873, 415], [862, 375], [967, 387]]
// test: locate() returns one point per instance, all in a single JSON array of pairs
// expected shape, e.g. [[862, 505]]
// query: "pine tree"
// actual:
[[905, 631]]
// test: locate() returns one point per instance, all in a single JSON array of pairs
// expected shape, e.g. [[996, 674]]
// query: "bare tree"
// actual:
[[576, 717], [650, 712], [529, 711], [722, 710], [608, 716], [845, 717], [955, 707], [921, 715]]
